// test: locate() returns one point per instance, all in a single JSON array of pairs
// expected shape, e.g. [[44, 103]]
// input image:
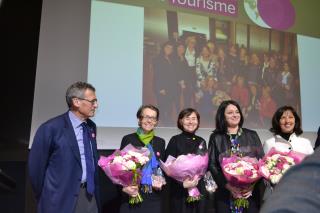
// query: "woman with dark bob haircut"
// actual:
[[187, 142], [286, 127], [230, 137], [147, 117]]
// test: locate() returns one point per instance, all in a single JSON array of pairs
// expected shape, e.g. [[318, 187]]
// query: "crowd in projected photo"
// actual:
[[184, 67]]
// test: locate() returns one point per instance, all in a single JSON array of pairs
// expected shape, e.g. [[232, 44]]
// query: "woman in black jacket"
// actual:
[[230, 137], [148, 116], [187, 142], [165, 83]]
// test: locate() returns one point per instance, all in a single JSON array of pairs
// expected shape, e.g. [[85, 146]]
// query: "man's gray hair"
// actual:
[[77, 90]]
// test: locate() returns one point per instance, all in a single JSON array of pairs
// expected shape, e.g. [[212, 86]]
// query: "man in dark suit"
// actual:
[[63, 158]]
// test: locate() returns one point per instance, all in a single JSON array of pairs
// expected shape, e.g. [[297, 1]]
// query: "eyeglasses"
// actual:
[[93, 101], [153, 119]]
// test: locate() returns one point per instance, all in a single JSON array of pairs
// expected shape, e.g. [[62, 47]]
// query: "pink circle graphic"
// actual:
[[278, 14]]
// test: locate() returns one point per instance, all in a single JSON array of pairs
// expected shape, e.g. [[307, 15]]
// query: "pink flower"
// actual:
[[240, 171], [248, 173], [275, 163], [186, 166], [280, 165], [123, 167]]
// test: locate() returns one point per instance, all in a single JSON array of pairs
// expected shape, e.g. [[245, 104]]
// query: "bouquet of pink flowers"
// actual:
[[240, 172], [123, 167], [190, 166], [274, 164]]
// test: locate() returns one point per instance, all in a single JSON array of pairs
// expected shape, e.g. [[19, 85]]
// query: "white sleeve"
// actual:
[[268, 144], [308, 147]]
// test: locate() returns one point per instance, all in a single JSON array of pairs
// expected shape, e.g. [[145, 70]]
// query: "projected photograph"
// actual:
[[198, 61]]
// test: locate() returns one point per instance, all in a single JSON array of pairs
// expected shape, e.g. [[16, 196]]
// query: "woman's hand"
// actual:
[[235, 192], [240, 192], [190, 183], [132, 191], [247, 192], [157, 185], [158, 181]]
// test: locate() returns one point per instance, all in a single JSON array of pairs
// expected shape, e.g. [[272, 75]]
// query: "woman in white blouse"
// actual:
[[286, 127]]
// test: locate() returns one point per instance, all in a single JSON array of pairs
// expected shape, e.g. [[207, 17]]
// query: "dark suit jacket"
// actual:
[[55, 167]]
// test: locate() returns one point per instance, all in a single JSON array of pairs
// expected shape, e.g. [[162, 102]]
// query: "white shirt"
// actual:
[[295, 143], [190, 57]]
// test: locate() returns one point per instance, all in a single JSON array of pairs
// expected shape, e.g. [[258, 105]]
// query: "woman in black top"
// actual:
[[182, 144], [230, 137], [165, 83], [148, 116], [186, 78]]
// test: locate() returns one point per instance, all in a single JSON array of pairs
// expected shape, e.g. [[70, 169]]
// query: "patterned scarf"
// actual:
[[235, 150], [147, 170], [235, 144]]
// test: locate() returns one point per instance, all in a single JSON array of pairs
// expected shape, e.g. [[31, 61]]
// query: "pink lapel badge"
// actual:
[[158, 154], [93, 135]]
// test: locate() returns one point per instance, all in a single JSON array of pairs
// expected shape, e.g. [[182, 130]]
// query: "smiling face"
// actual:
[[190, 122], [272, 62], [255, 59], [191, 43], [232, 115], [287, 122], [286, 67], [148, 120], [211, 46], [240, 81], [205, 52]]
